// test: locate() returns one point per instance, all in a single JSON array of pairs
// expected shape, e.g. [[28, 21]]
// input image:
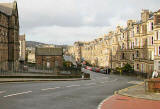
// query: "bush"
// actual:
[[127, 68]]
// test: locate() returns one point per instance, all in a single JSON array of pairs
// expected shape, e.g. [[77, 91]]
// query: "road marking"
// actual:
[[2, 92], [17, 94], [100, 105], [112, 80], [90, 84], [102, 82], [50, 88], [134, 82], [73, 85]]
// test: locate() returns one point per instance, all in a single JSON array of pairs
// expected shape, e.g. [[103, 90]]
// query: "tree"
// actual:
[[127, 68]]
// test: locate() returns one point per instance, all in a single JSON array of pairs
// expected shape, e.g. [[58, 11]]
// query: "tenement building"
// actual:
[[137, 44], [9, 36]]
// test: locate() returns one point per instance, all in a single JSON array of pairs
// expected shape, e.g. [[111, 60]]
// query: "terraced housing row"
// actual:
[[138, 44]]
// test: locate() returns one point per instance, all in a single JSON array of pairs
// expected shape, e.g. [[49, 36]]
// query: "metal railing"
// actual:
[[12, 69]]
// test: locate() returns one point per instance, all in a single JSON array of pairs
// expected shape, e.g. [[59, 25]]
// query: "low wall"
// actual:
[[153, 85]]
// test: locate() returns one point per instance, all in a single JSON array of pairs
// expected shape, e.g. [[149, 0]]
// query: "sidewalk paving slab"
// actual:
[[133, 97], [124, 102]]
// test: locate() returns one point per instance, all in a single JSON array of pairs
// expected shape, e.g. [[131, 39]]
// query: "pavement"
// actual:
[[3, 80], [25, 77], [83, 94], [133, 97]]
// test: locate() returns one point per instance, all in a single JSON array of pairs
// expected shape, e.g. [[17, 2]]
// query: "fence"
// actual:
[[10, 68]]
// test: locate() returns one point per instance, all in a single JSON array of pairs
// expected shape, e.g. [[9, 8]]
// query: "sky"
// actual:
[[66, 21]]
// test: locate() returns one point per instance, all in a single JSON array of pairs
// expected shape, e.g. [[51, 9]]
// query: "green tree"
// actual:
[[127, 68]]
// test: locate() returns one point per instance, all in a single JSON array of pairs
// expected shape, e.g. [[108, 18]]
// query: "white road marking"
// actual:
[[100, 105], [135, 82], [50, 88], [2, 92], [105, 77], [90, 84], [73, 85], [17, 94], [102, 82], [112, 80]]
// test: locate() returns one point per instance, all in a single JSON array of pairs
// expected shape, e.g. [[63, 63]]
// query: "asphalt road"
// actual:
[[84, 94]]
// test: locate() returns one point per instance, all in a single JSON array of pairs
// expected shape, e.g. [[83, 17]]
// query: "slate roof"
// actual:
[[48, 51], [6, 8]]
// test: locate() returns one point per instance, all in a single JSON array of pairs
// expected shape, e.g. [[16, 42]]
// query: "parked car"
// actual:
[[97, 69], [89, 68], [103, 71], [93, 69]]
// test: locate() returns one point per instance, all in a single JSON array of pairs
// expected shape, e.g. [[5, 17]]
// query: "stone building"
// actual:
[[49, 57], [156, 19], [9, 36], [137, 44], [22, 48], [30, 55]]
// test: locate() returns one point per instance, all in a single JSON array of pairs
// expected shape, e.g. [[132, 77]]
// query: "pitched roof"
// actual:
[[6, 8], [49, 51]]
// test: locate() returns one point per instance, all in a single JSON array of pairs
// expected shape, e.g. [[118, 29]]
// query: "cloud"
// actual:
[[66, 21], [66, 35]]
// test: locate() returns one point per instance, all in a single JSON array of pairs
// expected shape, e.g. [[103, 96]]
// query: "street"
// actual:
[[84, 94]]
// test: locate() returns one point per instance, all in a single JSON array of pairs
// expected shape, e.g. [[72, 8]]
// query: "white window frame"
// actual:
[[152, 40], [152, 55], [155, 50], [158, 35], [142, 42], [142, 67], [158, 51]]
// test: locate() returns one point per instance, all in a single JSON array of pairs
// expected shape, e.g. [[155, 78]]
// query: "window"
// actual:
[[122, 55], [152, 55], [137, 66], [132, 33], [137, 53], [141, 42], [135, 41], [122, 35], [151, 25], [132, 45], [133, 56], [123, 46], [157, 35], [152, 40], [155, 50], [148, 41], [137, 29], [159, 51], [142, 29], [142, 67]]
